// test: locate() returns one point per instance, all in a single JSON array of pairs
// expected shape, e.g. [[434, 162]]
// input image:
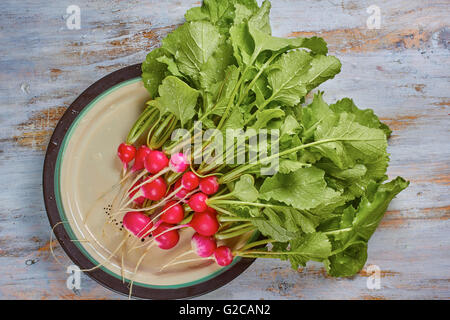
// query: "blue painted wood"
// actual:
[[399, 70]]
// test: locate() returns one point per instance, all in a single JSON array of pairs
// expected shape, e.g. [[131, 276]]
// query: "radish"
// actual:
[[137, 224], [174, 213], [189, 181], [209, 185], [204, 223], [223, 256], [198, 202], [156, 161], [165, 236], [211, 210], [183, 192], [141, 154], [202, 246], [153, 190], [126, 154], [178, 162], [165, 209], [138, 200]]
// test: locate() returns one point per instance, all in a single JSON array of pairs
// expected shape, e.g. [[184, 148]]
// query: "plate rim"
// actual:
[[74, 253]]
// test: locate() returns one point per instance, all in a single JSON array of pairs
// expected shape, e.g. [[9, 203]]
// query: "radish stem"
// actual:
[[176, 258], [110, 256], [244, 225], [137, 267], [256, 243], [190, 260], [235, 233]]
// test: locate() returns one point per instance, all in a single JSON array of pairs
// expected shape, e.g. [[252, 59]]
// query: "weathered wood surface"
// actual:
[[400, 70]]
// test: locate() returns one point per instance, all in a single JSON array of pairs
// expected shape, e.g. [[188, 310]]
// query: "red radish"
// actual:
[[165, 209], [137, 224], [139, 200], [183, 192], [205, 223], [189, 181], [203, 246], [153, 190], [141, 155], [174, 213], [198, 202], [178, 162], [164, 238], [156, 161], [209, 185], [211, 210], [223, 256], [126, 153]]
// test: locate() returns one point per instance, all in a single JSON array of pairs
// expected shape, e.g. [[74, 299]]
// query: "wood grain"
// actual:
[[400, 70]]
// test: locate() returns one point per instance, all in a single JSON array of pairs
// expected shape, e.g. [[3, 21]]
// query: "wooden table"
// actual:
[[400, 70]]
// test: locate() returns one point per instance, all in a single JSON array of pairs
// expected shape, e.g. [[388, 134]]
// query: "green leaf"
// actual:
[[214, 71], [264, 116], [234, 121], [287, 166], [222, 13], [351, 245], [261, 20], [192, 45], [351, 174], [290, 126], [273, 231], [244, 189], [364, 117], [315, 246], [242, 43], [224, 90], [153, 71], [242, 13], [171, 65], [373, 206], [314, 114], [303, 189], [293, 220], [363, 143], [286, 77], [322, 69], [349, 262], [261, 90], [177, 98]]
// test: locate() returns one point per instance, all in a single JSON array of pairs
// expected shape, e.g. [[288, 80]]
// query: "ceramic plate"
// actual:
[[81, 165]]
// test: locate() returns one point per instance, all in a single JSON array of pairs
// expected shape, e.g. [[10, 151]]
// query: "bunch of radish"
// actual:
[[158, 207]]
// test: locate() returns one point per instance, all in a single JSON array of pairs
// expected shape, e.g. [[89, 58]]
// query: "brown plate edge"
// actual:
[[70, 248]]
